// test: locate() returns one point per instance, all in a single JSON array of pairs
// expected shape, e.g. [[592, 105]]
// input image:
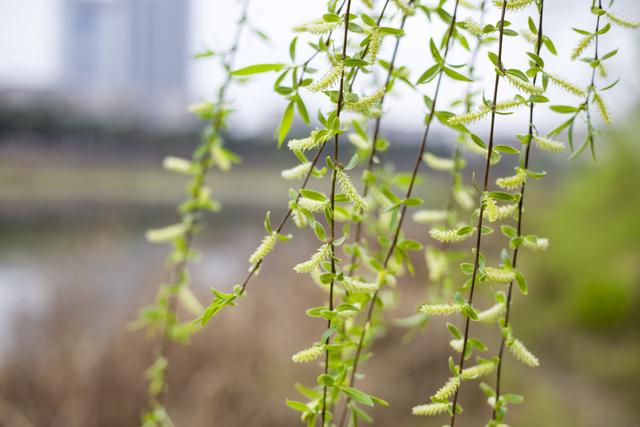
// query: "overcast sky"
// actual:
[[30, 33]]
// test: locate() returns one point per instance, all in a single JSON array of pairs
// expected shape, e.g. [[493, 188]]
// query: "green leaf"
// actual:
[[358, 395], [563, 109], [313, 195], [513, 398], [326, 380], [506, 149], [257, 68], [429, 75], [392, 31], [455, 75], [298, 406], [522, 284], [285, 123], [320, 233], [454, 330], [166, 234]]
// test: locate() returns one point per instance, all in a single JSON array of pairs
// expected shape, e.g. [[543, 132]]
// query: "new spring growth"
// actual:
[[329, 79], [297, 172], [503, 212], [347, 187], [309, 355], [566, 85], [442, 309], [313, 141], [311, 205], [523, 85], [366, 103], [456, 345], [447, 390], [512, 182], [473, 27], [548, 144], [427, 216], [437, 263], [443, 235], [479, 370], [375, 41], [602, 108], [535, 244], [430, 409], [404, 6], [582, 45], [358, 287], [438, 163], [617, 19], [521, 353], [500, 275], [484, 110], [317, 26], [267, 245], [490, 207], [492, 314], [513, 4], [320, 256]]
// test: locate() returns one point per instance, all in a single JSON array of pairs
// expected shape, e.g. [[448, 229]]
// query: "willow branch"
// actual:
[[204, 167], [374, 148], [485, 187], [252, 272], [514, 260], [403, 210]]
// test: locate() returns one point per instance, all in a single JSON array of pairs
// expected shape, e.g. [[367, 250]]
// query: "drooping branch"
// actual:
[[485, 187], [514, 259]]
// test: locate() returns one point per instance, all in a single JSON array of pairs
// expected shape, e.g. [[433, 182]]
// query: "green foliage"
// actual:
[[362, 250]]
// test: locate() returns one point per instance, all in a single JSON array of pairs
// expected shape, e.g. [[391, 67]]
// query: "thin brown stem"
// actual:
[[485, 187], [403, 209], [252, 272], [514, 260], [374, 147], [204, 166], [332, 220]]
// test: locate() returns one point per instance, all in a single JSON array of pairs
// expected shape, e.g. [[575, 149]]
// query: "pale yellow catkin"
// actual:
[[480, 370], [512, 182], [267, 245], [513, 4], [548, 144], [430, 409], [297, 172], [366, 103], [521, 353], [441, 309], [317, 26], [447, 236], [328, 79], [602, 108], [565, 84], [500, 275], [347, 187], [404, 6], [537, 244], [316, 259], [448, 389], [524, 86], [308, 355], [357, 286], [581, 46], [623, 22]]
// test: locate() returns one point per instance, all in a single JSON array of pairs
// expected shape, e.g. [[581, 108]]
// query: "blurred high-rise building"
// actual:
[[127, 57]]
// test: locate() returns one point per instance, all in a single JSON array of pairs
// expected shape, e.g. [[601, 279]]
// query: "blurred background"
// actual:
[[94, 93]]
